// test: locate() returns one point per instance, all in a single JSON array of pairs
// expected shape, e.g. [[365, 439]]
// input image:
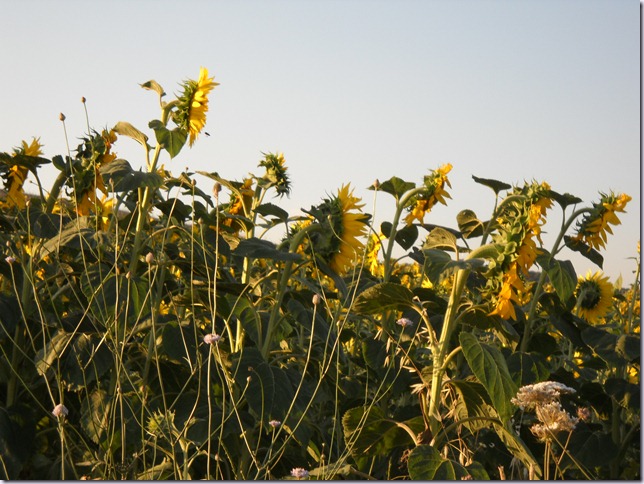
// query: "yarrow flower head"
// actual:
[[274, 423], [193, 104], [299, 473], [542, 393], [10, 259], [210, 339], [553, 419], [594, 296], [60, 410]]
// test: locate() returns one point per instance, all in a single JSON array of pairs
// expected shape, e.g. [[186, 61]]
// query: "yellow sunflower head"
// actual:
[[193, 104], [343, 225], [596, 224], [434, 192], [594, 296]]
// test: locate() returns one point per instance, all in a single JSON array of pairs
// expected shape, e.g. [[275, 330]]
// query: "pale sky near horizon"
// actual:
[[351, 91]]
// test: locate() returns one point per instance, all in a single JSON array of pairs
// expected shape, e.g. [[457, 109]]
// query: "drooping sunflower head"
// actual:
[[596, 224], [594, 296], [342, 226], [276, 175], [15, 173], [193, 104], [434, 192]]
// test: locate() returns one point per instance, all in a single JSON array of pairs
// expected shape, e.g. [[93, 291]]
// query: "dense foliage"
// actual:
[[150, 330]]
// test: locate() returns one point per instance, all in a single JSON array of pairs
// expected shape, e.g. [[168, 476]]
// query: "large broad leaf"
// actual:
[[435, 264], [588, 252], [565, 199], [591, 449], [17, 440], [469, 225], [406, 236], [120, 177], [383, 297], [495, 185], [175, 208], [368, 431], [527, 368], [268, 390], [473, 406], [267, 209], [170, 140], [613, 349], [426, 464], [126, 129], [562, 275], [52, 351], [263, 249], [86, 360], [440, 238], [94, 417], [395, 186], [488, 364]]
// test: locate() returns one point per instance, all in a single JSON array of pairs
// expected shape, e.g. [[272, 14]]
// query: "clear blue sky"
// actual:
[[352, 90]]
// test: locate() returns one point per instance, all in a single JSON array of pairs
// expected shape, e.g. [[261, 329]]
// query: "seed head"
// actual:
[[60, 410]]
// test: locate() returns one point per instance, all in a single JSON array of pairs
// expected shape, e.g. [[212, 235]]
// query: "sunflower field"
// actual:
[[151, 330]]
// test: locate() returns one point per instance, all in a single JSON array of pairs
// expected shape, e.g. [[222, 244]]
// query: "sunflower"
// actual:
[[17, 174], [343, 224], [87, 200], [595, 225], [374, 245], [434, 192], [193, 104], [594, 296]]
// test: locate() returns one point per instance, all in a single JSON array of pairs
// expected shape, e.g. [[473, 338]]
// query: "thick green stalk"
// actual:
[[439, 358], [542, 278], [298, 238], [400, 206]]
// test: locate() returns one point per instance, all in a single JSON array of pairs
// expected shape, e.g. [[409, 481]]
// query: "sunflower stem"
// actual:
[[527, 334], [298, 238]]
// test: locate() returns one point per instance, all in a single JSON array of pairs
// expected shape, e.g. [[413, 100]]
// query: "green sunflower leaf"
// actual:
[[565, 199], [383, 297], [170, 140], [406, 237], [395, 186], [469, 225], [489, 366], [440, 238], [426, 464], [588, 252], [267, 209], [263, 249], [495, 185], [562, 275], [126, 129]]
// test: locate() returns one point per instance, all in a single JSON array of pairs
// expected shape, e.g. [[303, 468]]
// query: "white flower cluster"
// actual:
[[543, 398]]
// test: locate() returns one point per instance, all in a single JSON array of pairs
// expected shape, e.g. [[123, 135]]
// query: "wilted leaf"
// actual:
[[469, 225], [263, 249], [126, 129]]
